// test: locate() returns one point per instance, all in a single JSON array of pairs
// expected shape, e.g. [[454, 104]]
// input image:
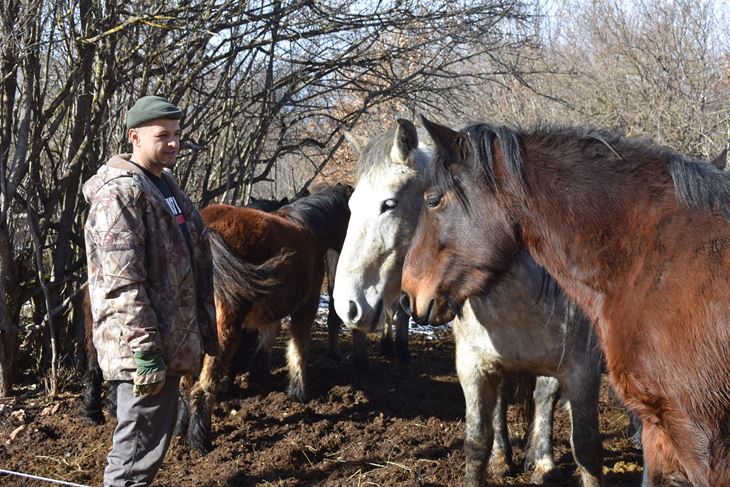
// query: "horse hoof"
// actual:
[[198, 442], [499, 467], [297, 393], [473, 479], [201, 448], [226, 385], [96, 418], [498, 472], [541, 471], [179, 429]]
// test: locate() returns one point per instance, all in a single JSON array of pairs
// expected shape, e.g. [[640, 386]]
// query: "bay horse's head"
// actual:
[[384, 211], [466, 236]]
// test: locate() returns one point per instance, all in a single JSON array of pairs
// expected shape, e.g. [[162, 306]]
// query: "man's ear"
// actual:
[[133, 136]]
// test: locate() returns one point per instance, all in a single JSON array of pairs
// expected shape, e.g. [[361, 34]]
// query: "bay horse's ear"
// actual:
[[356, 141], [446, 139], [720, 161], [405, 142]]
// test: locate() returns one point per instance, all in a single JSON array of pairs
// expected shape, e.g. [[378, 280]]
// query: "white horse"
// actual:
[[522, 325]]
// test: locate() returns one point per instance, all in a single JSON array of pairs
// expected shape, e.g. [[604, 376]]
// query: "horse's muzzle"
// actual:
[[436, 313]]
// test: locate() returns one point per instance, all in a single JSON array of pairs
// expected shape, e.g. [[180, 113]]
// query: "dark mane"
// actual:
[[700, 185], [697, 184], [478, 156], [318, 212]]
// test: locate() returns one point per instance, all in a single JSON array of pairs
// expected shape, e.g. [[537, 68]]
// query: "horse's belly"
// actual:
[[515, 338]]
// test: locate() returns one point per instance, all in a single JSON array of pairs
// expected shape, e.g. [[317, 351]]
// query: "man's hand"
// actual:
[[150, 377]]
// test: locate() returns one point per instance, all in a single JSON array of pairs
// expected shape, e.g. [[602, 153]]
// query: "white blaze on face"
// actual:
[[370, 264]]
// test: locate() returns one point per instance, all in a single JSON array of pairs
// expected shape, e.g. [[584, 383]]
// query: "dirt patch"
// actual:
[[394, 425]]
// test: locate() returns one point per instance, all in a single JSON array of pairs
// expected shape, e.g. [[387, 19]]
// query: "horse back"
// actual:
[[256, 236], [253, 234]]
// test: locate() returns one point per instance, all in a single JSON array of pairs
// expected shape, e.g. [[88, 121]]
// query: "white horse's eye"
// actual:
[[388, 205]]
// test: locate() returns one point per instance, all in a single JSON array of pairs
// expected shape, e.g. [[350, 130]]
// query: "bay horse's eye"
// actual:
[[432, 201], [388, 205]]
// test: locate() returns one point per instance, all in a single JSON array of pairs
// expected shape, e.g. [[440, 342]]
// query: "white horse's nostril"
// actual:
[[352, 312]]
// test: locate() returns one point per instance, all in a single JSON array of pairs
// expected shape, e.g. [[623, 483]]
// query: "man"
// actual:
[[150, 281]]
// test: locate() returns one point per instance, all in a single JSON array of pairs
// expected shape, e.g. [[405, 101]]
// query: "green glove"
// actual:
[[150, 376]]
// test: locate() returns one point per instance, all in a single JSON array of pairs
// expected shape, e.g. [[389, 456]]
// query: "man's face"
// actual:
[[156, 143]]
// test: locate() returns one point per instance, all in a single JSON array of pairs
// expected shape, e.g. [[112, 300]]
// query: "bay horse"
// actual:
[[334, 323], [303, 230], [524, 325], [635, 233]]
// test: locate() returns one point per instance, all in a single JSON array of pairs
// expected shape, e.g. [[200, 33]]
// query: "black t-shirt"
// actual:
[[171, 202]]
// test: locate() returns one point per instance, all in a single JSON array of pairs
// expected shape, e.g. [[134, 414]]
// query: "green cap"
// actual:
[[151, 108]]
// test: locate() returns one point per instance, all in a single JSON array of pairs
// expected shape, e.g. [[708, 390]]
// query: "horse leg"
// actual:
[[93, 378], [261, 360], [297, 354], [645, 479], [111, 401], [581, 394], [183, 413], [360, 350], [539, 454], [480, 388], [92, 393], [205, 390], [500, 461], [387, 348], [635, 431], [334, 323], [653, 444], [240, 362], [634, 428], [401, 335]]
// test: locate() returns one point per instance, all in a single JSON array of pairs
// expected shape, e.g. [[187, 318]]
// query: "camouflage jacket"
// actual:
[[147, 293]]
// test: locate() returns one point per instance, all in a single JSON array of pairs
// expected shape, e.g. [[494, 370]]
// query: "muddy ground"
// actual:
[[394, 425]]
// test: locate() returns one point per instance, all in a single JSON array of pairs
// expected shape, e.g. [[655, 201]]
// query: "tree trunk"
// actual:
[[8, 329]]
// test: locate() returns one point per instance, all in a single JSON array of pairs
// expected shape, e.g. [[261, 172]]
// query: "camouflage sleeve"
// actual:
[[118, 234]]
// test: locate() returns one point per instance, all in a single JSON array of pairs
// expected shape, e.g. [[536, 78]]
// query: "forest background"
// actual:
[[268, 86]]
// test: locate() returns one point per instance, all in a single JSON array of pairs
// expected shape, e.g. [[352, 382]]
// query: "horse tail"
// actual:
[[93, 379], [235, 280]]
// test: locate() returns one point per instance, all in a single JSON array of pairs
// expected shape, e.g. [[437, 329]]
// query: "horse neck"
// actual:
[[584, 222], [331, 235], [334, 237]]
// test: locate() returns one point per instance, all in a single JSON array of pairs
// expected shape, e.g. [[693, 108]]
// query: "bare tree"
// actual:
[[267, 87], [651, 67]]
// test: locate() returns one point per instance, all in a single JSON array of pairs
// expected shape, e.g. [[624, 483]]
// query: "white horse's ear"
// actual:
[[356, 141], [405, 142]]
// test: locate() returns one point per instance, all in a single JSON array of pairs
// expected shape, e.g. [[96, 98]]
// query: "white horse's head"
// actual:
[[384, 211]]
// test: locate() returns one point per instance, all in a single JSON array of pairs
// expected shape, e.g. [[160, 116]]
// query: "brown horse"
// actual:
[[635, 233], [303, 230]]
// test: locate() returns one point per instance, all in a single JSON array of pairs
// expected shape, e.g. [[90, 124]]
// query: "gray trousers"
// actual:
[[143, 434]]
